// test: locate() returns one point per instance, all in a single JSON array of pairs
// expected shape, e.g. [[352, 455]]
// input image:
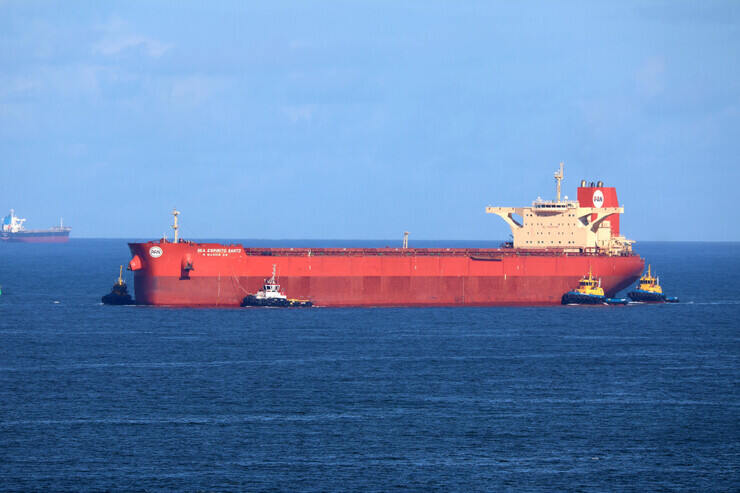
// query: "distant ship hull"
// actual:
[[55, 235], [210, 274]]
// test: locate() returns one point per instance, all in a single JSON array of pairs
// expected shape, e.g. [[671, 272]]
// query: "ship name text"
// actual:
[[218, 252]]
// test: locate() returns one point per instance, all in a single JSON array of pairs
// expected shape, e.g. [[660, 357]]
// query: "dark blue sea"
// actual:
[[635, 398]]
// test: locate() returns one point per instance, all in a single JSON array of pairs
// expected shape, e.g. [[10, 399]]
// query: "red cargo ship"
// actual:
[[554, 244]]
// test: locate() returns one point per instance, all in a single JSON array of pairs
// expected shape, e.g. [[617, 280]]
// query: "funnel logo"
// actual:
[[598, 199], [155, 252]]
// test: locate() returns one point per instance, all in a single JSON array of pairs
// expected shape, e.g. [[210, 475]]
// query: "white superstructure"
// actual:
[[563, 224], [271, 289], [12, 223]]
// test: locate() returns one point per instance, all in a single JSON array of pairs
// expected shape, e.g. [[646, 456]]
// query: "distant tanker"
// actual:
[[12, 229], [554, 243]]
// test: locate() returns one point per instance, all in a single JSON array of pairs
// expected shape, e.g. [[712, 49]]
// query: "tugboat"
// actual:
[[649, 291], [119, 293], [270, 295], [590, 292]]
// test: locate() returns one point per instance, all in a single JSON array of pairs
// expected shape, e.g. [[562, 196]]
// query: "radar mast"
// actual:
[[558, 178]]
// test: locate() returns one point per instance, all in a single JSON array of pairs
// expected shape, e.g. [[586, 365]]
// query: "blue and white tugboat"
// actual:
[[271, 295], [590, 292]]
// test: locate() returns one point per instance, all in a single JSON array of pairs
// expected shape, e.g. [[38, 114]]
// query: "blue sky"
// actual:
[[364, 119]]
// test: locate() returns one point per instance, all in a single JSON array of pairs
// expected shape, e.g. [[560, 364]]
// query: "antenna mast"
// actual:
[[175, 213], [558, 178], [405, 239]]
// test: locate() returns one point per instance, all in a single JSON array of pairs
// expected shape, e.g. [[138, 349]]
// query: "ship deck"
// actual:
[[475, 253]]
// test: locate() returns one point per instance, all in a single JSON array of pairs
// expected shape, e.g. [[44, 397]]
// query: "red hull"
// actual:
[[192, 274]]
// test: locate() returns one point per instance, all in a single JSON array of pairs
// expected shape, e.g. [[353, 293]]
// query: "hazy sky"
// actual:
[[364, 119]]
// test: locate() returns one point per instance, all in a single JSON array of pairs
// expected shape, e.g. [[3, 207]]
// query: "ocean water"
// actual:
[[635, 398]]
